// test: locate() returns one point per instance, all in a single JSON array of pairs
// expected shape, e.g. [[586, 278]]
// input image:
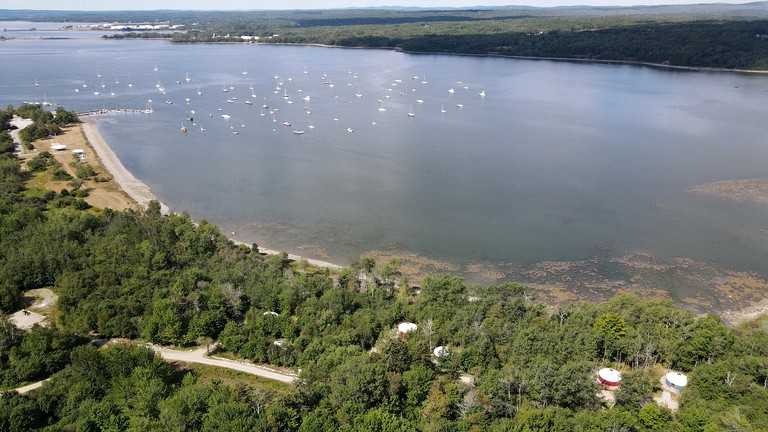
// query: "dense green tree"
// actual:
[[636, 387]]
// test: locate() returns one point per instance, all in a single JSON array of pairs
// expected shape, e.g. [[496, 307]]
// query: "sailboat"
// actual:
[[424, 79], [358, 94], [156, 68], [305, 70], [187, 78], [36, 84], [410, 111], [442, 108], [199, 92]]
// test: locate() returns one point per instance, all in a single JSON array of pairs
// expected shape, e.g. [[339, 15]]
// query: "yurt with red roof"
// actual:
[[609, 377]]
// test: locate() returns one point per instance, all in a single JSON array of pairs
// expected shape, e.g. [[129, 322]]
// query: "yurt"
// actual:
[[441, 351], [676, 380], [405, 327], [609, 377]]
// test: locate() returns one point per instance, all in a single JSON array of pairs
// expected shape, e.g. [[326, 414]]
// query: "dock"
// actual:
[[115, 111]]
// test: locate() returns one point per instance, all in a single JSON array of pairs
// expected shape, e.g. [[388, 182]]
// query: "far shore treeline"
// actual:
[[510, 363], [699, 36]]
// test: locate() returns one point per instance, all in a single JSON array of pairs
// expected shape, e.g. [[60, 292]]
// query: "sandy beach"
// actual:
[[139, 192], [134, 187]]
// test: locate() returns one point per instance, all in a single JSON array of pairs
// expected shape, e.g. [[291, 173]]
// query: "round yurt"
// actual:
[[441, 351], [676, 380], [609, 377], [405, 327]]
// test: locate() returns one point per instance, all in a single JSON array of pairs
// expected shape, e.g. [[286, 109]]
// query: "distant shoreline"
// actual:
[[141, 194], [515, 57]]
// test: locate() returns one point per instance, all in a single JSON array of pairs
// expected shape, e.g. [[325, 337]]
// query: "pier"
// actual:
[[115, 111]]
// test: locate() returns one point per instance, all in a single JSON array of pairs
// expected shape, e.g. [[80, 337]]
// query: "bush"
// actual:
[[85, 171], [61, 175], [40, 162]]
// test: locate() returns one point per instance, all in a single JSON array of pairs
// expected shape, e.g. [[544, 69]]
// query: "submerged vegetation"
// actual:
[[507, 363]]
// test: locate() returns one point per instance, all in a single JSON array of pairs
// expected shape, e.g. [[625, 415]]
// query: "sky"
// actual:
[[310, 4]]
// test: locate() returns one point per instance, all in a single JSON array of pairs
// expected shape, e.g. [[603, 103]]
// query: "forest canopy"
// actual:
[[507, 362]]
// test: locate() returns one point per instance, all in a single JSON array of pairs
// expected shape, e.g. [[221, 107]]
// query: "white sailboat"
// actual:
[[442, 108], [358, 94], [187, 78], [36, 84], [410, 111], [156, 68]]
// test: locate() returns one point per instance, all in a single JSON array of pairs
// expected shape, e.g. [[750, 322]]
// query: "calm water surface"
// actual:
[[557, 160]]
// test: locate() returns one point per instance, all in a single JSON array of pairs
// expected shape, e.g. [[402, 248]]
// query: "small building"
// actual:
[[405, 327], [609, 377], [675, 380], [58, 147]]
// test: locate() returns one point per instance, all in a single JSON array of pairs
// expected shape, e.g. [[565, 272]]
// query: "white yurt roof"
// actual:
[[609, 374], [405, 327], [677, 379], [441, 351]]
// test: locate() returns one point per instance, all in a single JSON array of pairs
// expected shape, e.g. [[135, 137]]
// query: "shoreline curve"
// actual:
[[135, 188], [142, 195]]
